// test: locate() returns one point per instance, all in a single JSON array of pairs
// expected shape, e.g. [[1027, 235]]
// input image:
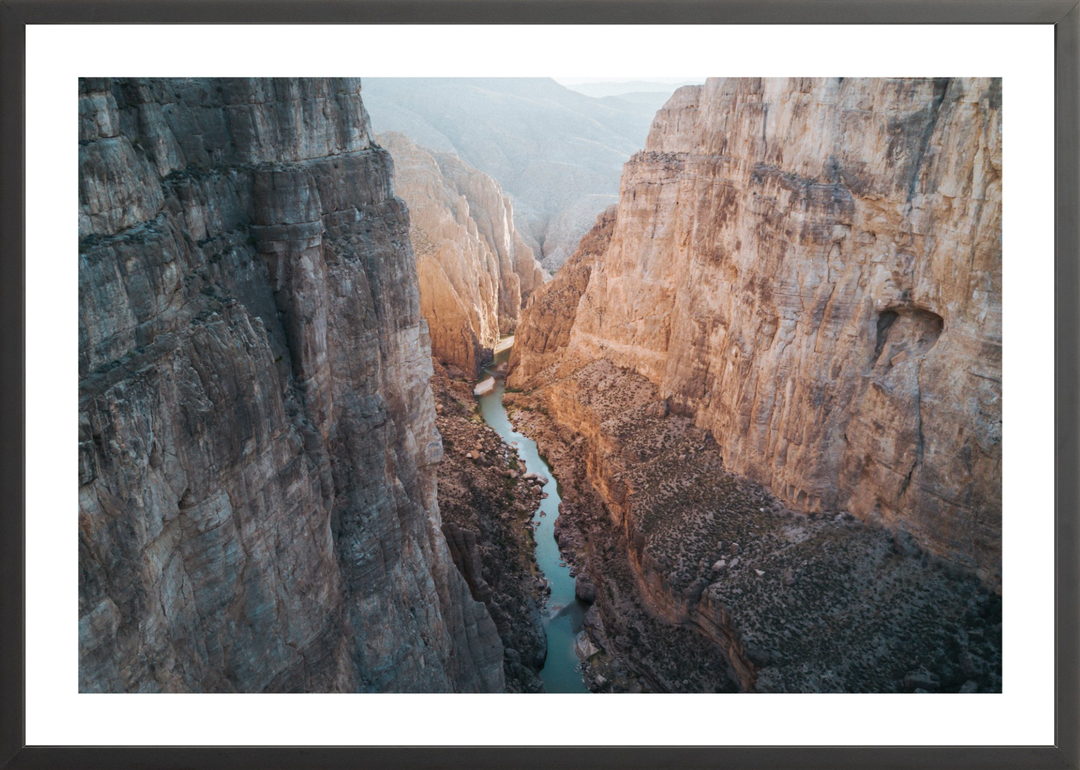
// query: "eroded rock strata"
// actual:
[[811, 269], [780, 358], [475, 271], [257, 440]]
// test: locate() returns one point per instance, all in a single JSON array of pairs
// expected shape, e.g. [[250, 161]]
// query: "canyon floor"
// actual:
[[704, 582], [487, 506]]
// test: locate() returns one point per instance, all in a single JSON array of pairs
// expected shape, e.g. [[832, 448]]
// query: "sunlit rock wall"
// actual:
[[812, 268]]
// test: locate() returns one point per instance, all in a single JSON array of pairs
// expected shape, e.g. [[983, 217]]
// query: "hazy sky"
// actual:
[[577, 81]]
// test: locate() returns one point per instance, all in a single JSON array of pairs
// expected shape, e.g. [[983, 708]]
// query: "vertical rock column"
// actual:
[[288, 232]]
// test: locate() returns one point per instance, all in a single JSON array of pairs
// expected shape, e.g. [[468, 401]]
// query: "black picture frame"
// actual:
[[1063, 14]]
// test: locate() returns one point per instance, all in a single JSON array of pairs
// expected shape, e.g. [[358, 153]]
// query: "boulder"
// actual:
[[922, 679], [585, 589]]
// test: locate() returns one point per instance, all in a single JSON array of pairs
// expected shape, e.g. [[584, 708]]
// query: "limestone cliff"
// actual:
[[475, 271], [257, 501], [541, 341], [812, 269]]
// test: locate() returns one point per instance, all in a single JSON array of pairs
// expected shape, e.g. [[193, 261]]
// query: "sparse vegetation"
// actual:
[[789, 593]]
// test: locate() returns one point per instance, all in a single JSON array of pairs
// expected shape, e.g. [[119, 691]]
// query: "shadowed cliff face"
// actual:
[[811, 268], [475, 271], [256, 431]]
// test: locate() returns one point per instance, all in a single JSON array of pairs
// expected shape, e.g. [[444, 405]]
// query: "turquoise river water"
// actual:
[[562, 669]]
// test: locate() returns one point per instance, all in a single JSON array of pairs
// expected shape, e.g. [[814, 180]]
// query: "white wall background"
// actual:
[[58, 55]]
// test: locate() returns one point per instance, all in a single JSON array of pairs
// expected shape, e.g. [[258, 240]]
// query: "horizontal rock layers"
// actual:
[[474, 269], [811, 268], [257, 442]]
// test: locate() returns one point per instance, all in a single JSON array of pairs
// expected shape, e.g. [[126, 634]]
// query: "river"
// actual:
[[561, 672]]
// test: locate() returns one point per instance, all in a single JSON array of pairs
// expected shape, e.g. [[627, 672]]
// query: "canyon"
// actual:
[[799, 295], [747, 438]]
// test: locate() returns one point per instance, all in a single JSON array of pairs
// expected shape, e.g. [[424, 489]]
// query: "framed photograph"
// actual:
[[441, 368]]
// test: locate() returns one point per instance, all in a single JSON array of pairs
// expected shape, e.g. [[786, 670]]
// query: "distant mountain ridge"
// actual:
[[557, 153], [613, 88]]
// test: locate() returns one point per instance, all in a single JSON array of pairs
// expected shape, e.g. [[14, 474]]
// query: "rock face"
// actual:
[[257, 441], [812, 269], [542, 339], [557, 153], [474, 269], [678, 546]]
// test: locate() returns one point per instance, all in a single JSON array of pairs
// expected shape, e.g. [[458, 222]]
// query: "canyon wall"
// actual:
[[474, 269], [811, 268], [257, 441]]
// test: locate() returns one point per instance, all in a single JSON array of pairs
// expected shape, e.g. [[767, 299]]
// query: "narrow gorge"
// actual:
[[341, 431]]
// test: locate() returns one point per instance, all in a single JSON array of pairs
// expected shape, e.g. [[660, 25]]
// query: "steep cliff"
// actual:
[[545, 333], [475, 271], [257, 502], [811, 268]]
